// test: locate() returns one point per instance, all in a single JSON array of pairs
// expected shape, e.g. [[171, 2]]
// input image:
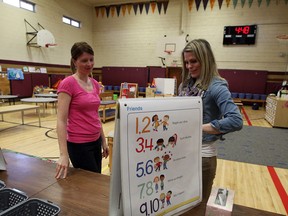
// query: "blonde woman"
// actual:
[[200, 77]]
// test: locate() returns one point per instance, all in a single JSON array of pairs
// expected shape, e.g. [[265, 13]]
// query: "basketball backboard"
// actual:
[[45, 38], [170, 49]]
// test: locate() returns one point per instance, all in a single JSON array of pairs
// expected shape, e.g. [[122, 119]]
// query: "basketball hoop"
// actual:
[[50, 45], [169, 52]]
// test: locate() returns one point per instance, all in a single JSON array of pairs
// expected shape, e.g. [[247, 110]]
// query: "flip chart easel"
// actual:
[[157, 165]]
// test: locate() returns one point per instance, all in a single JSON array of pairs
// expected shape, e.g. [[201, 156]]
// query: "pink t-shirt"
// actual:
[[83, 123]]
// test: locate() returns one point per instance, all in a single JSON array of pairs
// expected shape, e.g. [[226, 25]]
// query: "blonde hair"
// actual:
[[203, 53]]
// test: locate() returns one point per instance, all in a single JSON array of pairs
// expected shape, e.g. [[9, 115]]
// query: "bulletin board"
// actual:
[[156, 156]]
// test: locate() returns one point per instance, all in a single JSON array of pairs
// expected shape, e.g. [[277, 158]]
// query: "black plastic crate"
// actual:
[[10, 197], [33, 207], [2, 185]]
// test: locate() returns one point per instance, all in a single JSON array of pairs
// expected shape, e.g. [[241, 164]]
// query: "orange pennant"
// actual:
[[123, 8], [129, 6], [103, 9], [190, 4], [153, 6], [228, 3], [113, 10], [212, 2], [97, 11]]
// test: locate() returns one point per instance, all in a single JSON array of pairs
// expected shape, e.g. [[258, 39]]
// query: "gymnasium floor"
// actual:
[[256, 186]]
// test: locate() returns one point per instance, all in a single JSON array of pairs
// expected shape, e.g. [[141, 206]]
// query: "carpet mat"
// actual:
[[256, 145]]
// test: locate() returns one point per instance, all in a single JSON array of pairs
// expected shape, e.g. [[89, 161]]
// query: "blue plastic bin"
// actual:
[[256, 96], [248, 96], [263, 97], [234, 95], [241, 95]]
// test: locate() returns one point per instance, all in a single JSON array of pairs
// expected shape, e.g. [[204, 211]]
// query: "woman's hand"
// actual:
[[209, 129], [105, 151], [62, 167]]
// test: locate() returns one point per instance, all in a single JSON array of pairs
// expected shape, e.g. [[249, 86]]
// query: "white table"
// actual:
[[50, 95], [9, 97], [44, 101], [19, 108]]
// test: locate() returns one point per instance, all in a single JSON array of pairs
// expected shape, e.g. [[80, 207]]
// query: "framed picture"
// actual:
[[15, 74], [129, 90]]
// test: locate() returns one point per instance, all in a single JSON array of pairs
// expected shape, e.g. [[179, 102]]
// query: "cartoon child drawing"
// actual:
[[155, 123], [156, 182], [157, 164], [168, 197], [165, 122], [162, 199], [172, 140], [160, 145], [162, 177], [166, 158]]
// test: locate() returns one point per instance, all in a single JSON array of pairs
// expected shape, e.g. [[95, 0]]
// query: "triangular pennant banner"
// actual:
[[198, 2], [123, 8], [165, 6], [135, 7], [141, 7], [118, 9], [250, 3], [268, 2], [190, 4], [107, 11], [153, 6], [97, 9], [228, 3], [220, 2], [147, 6], [129, 6], [159, 5], [113, 9], [103, 9], [212, 2], [242, 3], [259, 3], [235, 3], [205, 2]]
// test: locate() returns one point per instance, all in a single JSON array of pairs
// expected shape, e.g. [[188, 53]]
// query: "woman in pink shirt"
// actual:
[[80, 133]]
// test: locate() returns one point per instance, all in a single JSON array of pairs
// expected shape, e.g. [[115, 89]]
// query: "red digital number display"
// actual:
[[242, 29]]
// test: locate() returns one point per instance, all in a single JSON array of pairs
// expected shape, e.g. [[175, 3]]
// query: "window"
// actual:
[[71, 22], [21, 4]]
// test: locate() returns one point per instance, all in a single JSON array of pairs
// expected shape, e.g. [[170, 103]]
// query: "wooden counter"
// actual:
[[82, 193]]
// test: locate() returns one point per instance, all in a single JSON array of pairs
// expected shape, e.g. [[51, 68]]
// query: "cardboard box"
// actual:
[[220, 202], [165, 85], [150, 92]]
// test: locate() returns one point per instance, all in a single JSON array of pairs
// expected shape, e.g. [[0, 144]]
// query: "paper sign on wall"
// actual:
[[157, 156]]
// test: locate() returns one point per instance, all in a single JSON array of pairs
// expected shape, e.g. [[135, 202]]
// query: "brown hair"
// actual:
[[77, 50]]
